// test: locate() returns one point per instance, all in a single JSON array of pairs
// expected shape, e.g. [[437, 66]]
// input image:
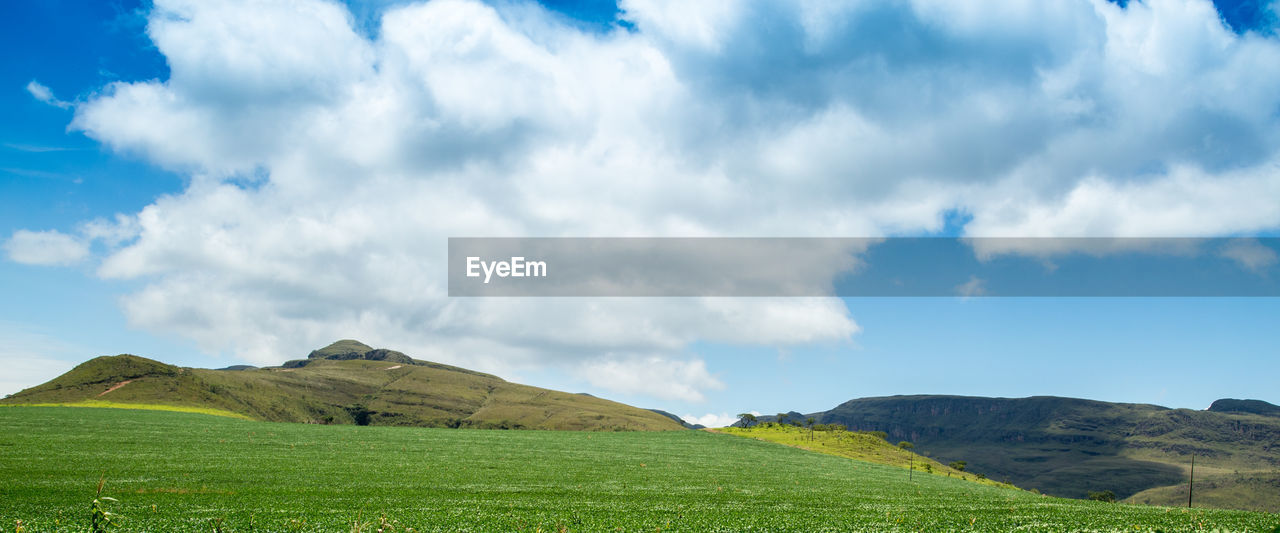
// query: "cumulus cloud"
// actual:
[[328, 167], [45, 248]]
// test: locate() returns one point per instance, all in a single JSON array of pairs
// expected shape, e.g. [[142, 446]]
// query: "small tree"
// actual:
[[782, 418], [809, 422], [958, 465], [1103, 496], [359, 414], [906, 445], [747, 419]]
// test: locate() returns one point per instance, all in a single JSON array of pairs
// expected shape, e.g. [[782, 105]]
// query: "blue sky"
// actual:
[[219, 196]]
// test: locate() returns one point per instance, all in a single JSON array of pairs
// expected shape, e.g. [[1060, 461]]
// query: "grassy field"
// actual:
[[1256, 490], [189, 472], [858, 445], [146, 407]]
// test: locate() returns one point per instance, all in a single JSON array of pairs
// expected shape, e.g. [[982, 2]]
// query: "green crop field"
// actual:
[[174, 471]]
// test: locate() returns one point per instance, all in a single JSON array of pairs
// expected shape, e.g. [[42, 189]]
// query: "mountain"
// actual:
[[679, 420], [1257, 407], [1070, 447], [345, 382]]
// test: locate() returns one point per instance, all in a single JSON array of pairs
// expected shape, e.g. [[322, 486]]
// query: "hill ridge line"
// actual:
[[334, 387]]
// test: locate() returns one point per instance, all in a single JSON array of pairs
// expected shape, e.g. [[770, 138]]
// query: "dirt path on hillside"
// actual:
[[116, 386]]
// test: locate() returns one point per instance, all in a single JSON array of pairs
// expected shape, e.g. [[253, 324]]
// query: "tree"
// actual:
[[906, 445], [747, 419], [1104, 496], [809, 422], [782, 418], [359, 414], [958, 465]]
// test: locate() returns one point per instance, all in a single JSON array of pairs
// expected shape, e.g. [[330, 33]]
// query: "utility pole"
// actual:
[[911, 466], [1191, 485]]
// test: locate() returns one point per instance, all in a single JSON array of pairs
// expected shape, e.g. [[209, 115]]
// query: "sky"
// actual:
[[212, 182]]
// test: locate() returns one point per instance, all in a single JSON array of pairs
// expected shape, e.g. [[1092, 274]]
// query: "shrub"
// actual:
[[958, 465]]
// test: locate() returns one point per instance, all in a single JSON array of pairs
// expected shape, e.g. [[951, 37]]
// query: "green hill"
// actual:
[[1070, 447], [345, 382], [1255, 491]]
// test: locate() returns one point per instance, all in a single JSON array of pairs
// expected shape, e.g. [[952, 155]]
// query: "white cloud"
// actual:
[[329, 168], [45, 94], [45, 248], [653, 375], [974, 287], [1251, 255], [713, 420]]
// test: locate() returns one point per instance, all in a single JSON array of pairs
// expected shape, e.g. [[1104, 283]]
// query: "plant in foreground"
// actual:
[[100, 518]]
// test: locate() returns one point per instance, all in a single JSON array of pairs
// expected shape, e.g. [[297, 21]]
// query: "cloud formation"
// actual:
[[713, 420], [328, 168], [1251, 255], [45, 248], [45, 94]]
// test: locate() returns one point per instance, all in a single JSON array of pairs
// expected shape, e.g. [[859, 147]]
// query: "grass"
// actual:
[[141, 406], [862, 446], [1252, 490], [174, 471]]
